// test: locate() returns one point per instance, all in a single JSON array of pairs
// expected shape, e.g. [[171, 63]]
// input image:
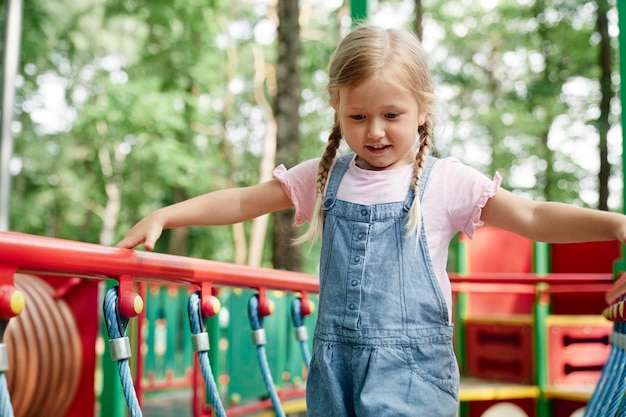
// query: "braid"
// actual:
[[334, 140], [415, 214]]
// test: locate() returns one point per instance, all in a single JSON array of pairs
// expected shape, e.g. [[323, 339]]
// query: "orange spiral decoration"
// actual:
[[44, 350]]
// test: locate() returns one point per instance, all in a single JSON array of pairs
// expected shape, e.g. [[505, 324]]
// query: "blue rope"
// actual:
[[6, 408], [298, 322], [116, 327], [603, 386], [255, 323], [608, 397], [197, 327]]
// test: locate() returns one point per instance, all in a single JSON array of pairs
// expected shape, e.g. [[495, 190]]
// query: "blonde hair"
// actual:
[[367, 51]]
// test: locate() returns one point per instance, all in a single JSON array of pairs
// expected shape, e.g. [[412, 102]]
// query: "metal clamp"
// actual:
[[302, 335], [4, 358], [200, 342], [120, 348], [258, 337]]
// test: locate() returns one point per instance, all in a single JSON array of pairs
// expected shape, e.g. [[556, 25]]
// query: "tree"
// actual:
[[511, 77], [287, 109]]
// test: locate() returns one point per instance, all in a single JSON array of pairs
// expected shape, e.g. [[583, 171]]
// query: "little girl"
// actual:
[[386, 214]]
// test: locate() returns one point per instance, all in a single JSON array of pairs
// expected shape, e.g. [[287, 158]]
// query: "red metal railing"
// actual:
[[39, 255]]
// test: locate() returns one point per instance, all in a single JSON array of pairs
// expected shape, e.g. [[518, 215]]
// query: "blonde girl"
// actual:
[[385, 213]]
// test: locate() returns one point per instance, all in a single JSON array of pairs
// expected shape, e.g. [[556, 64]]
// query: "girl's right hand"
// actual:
[[146, 231]]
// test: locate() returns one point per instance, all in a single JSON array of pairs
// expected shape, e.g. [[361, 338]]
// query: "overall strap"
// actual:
[[336, 174]]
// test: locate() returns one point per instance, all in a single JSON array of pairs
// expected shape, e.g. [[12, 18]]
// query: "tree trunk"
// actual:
[[268, 159], [419, 14], [287, 104], [604, 61]]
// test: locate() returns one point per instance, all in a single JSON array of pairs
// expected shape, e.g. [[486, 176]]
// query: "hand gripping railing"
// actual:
[[50, 256]]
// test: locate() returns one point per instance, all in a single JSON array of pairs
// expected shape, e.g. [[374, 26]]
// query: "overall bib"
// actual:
[[383, 342]]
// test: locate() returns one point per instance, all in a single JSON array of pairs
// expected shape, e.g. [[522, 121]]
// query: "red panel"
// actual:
[[581, 258], [500, 303], [565, 408], [576, 354], [496, 250], [578, 303], [501, 352]]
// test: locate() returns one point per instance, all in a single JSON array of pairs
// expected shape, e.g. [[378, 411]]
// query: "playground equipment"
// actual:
[[523, 337], [61, 259], [528, 321], [529, 340]]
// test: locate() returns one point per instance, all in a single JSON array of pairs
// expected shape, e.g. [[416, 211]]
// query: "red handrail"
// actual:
[[45, 255], [531, 278]]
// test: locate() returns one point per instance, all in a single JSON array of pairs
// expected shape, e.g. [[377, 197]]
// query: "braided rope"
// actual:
[[6, 409], [197, 328], [255, 323], [298, 323], [6, 406], [608, 397], [116, 327]]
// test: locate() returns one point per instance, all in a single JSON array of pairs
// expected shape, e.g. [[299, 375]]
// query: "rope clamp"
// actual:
[[266, 305], [302, 335], [209, 303], [4, 358], [258, 337], [120, 348], [130, 304], [200, 342], [12, 300], [307, 307]]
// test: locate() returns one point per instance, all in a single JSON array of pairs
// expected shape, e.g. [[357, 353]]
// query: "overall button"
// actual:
[[328, 203], [360, 236], [355, 282], [351, 306], [364, 212], [357, 259]]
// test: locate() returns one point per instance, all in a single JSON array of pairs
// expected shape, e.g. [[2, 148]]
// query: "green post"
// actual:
[[621, 11], [541, 266], [541, 313], [541, 258], [461, 307], [358, 10], [459, 313], [112, 402]]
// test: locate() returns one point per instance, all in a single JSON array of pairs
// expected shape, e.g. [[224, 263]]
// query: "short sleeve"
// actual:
[[299, 184], [466, 192]]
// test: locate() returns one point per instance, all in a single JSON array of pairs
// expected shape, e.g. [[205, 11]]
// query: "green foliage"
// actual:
[[146, 98]]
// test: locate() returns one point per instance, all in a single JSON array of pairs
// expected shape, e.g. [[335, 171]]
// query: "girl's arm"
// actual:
[[552, 222], [216, 208]]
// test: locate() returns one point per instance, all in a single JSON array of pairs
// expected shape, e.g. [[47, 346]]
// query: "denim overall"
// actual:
[[383, 342]]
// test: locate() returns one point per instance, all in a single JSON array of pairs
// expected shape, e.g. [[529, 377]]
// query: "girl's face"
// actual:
[[379, 121]]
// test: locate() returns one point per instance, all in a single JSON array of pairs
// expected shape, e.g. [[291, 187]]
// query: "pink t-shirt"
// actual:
[[453, 200]]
